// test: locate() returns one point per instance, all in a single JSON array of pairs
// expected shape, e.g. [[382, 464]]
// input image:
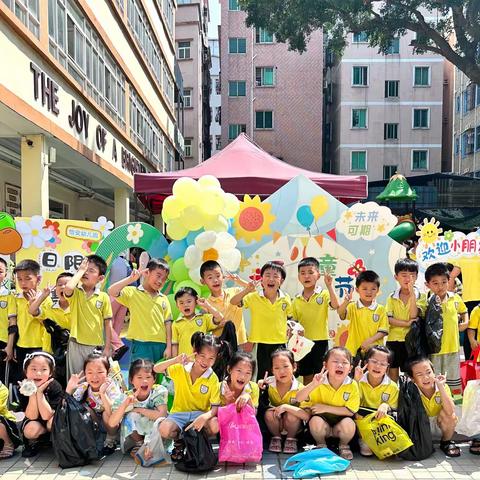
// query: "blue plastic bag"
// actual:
[[315, 462]]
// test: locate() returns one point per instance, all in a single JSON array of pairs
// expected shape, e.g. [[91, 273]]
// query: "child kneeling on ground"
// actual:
[[334, 399], [437, 401]]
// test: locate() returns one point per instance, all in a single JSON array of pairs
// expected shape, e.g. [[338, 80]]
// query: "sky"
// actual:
[[214, 6]]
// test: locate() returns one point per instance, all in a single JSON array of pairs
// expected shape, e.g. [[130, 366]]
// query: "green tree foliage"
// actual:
[[450, 28]]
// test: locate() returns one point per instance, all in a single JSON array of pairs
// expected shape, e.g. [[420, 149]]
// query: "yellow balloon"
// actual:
[[192, 218], [186, 189], [231, 205], [176, 231], [209, 181], [212, 201], [217, 223], [172, 208], [319, 206]]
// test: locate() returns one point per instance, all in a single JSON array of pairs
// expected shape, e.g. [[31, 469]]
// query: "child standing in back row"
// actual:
[[270, 311], [90, 313], [310, 308], [455, 320], [212, 276], [150, 327], [8, 319], [368, 320], [402, 312]]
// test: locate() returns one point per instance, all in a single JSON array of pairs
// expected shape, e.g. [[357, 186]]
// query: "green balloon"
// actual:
[[6, 221], [188, 283], [173, 306], [205, 291], [179, 271]]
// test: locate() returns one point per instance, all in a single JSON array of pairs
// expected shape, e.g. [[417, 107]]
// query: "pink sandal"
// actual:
[[275, 445], [290, 446]]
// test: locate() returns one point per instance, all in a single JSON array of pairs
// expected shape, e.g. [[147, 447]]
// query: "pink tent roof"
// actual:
[[244, 168]]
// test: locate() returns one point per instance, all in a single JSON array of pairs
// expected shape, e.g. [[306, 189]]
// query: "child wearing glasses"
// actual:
[[378, 392]]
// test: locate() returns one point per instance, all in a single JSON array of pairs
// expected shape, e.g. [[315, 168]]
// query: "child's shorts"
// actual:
[[313, 362], [152, 351], [183, 418], [332, 419], [399, 352]]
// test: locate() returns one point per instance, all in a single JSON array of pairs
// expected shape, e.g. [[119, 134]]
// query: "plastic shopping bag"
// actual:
[[153, 451], [313, 463], [115, 373], [240, 437], [383, 436], [470, 369], [469, 424], [298, 344]]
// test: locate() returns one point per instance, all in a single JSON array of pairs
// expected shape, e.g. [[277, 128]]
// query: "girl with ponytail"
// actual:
[[197, 389]]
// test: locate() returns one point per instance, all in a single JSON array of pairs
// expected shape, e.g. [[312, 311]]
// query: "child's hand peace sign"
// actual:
[[441, 380], [251, 287], [136, 274], [319, 378], [74, 382], [359, 371], [328, 279]]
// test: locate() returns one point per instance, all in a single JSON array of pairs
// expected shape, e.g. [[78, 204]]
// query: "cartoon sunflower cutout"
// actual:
[[253, 219]]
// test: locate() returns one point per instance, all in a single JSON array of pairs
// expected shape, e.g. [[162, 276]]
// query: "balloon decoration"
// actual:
[[309, 214], [10, 239], [305, 216], [197, 205]]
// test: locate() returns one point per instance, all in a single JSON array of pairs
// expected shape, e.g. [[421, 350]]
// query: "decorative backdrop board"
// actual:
[[301, 219]]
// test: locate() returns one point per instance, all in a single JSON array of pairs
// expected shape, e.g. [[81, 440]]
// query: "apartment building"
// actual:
[[86, 100], [271, 93], [194, 61], [387, 113], [215, 97], [466, 126]]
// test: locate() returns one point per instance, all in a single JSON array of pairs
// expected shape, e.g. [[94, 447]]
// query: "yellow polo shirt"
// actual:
[[201, 395], [268, 321], [433, 405], [230, 312], [88, 316], [30, 329], [373, 397], [312, 314], [8, 310], [397, 309], [251, 388], [474, 321], [470, 267], [290, 398], [4, 411], [183, 329], [365, 322], [347, 395], [148, 314], [452, 306]]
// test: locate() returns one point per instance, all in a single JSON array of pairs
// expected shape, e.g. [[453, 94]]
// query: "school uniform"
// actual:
[[251, 388], [312, 314], [183, 329], [372, 397]]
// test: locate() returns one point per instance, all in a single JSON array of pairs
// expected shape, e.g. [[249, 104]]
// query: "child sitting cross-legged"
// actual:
[[437, 401], [378, 393], [137, 410], [334, 399]]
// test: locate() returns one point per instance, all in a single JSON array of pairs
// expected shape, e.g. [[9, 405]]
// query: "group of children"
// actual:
[[341, 383]]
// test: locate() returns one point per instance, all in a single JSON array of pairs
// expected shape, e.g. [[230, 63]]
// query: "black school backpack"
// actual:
[[199, 455], [74, 434]]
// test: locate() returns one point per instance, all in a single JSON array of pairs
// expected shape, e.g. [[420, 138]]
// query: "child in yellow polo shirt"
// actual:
[[378, 392], [472, 331], [30, 329], [437, 401], [402, 312], [269, 310], [150, 327], [334, 399], [237, 387], [197, 390], [90, 313], [455, 320], [286, 413], [8, 319], [310, 309], [190, 322], [368, 322], [212, 276]]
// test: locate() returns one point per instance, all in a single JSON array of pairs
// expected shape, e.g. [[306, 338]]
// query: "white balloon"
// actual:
[[192, 257], [231, 259], [195, 275], [225, 241], [205, 240]]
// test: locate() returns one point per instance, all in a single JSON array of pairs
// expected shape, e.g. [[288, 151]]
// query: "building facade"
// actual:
[[273, 94], [194, 61], [466, 126], [86, 100], [387, 113], [215, 97]]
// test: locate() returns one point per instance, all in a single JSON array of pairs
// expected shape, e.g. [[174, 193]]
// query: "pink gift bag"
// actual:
[[240, 436]]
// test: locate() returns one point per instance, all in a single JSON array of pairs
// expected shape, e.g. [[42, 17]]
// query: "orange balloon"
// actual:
[[10, 241]]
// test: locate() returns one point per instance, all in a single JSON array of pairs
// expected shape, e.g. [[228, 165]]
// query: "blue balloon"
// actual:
[[177, 248], [305, 216], [193, 235]]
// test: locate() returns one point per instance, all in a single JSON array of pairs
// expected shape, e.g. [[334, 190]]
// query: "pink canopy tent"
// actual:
[[244, 168]]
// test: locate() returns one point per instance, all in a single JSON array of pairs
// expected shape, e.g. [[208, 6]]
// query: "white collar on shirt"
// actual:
[[273, 383], [141, 288], [385, 381], [396, 293], [372, 307], [208, 372], [347, 381]]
